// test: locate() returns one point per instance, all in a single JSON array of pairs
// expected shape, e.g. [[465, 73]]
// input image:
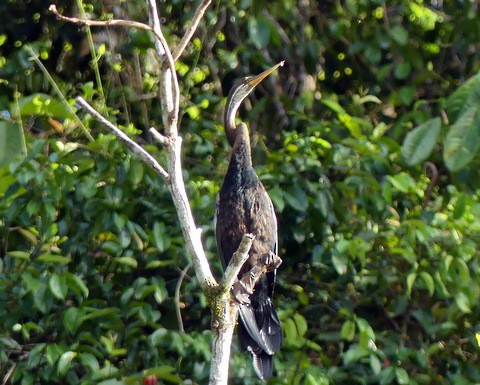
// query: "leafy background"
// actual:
[[367, 141]]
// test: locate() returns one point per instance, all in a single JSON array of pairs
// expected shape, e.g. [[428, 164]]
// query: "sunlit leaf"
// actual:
[[58, 285], [12, 142], [348, 330], [419, 143], [462, 141], [59, 259], [355, 353], [64, 363]]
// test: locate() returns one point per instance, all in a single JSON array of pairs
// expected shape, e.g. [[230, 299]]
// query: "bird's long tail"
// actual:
[[260, 334]]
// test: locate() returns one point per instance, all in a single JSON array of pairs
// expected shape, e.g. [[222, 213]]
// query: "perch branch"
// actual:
[[223, 324], [191, 29], [136, 148], [245, 286], [237, 261]]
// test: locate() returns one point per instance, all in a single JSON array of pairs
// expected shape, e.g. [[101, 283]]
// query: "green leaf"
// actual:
[[411, 277], [76, 284], [301, 324], [340, 262], [429, 283], [459, 272], [64, 363], [43, 104], [128, 261], [464, 96], [58, 259], [399, 34], [334, 106], [161, 238], [33, 284], [355, 353], [90, 361], [101, 313], [290, 330], [12, 142], [375, 364], [348, 330], [403, 70], [72, 319], [259, 32], [296, 198], [53, 351], [419, 143], [25, 255], [58, 286], [402, 182], [462, 141], [373, 54], [460, 206], [402, 376], [276, 195]]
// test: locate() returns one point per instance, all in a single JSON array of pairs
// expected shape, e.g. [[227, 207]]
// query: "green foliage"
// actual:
[[380, 281]]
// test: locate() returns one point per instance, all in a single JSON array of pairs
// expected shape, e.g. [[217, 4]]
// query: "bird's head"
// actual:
[[239, 92]]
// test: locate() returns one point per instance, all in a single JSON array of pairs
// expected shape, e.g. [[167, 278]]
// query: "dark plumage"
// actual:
[[244, 206]]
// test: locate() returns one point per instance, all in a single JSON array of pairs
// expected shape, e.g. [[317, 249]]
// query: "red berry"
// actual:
[[386, 362], [150, 380]]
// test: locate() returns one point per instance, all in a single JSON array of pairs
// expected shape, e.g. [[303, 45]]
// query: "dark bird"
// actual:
[[243, 206]]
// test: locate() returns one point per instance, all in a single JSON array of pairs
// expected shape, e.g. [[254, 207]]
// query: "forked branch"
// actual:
[[225, 307]]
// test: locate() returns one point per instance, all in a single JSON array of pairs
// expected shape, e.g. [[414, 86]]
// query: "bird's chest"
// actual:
[[244, 208]]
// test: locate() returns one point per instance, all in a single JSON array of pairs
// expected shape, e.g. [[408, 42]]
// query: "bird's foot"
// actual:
[[242, 289], [271, 261]]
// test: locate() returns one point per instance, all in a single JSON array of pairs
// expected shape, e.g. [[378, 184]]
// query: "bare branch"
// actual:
[[177, 297], [169, 97], [157, 136], [191, 29], [136, 148], [237, 261], [191, 233], [169, 89], [100, 23]]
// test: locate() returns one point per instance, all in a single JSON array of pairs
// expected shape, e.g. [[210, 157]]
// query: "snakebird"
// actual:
[[243, 206]]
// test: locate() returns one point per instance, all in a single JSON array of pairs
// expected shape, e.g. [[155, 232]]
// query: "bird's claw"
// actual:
[[241, 291], [243, 288], [271, 261]]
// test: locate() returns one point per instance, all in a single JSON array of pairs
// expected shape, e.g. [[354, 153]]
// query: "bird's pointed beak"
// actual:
[[255, 80]]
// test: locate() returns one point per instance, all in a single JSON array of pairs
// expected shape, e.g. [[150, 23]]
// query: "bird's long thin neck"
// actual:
[[241, 153], [229, 120]]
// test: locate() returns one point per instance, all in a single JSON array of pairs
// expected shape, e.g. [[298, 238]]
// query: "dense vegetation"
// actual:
[[367, 141]]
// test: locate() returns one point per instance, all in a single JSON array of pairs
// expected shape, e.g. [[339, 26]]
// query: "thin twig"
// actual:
[[158, 137], [177, 297], [136, 148], [100, 23], [93, 52], [59, 93], [9, 374], [191, 29]]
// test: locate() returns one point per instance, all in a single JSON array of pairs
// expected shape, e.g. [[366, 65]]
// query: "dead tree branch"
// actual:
[[191, 29], [224, 306], [136, 148]]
